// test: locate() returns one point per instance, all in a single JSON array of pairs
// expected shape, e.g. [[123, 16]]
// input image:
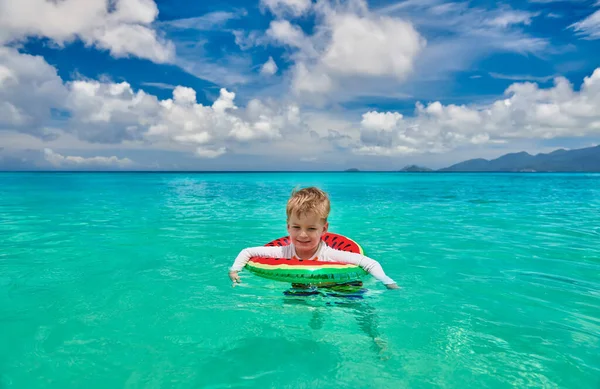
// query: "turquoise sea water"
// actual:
[[120, 281]]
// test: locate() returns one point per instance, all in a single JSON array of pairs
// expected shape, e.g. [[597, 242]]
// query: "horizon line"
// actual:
[[297, 171]]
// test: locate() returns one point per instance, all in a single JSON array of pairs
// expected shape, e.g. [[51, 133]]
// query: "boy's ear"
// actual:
[[325, 227]]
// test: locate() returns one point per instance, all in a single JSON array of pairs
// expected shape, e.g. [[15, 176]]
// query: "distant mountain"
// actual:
[[579, 160], [415, 168], [352, 170]]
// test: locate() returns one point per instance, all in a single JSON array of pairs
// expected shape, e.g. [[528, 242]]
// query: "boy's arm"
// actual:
[[370, 265], [261, 251]]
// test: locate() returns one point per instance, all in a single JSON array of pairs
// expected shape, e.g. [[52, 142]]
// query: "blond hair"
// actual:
[[308, 200]]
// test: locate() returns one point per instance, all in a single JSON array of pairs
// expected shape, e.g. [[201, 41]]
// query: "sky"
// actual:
[[293, 84]]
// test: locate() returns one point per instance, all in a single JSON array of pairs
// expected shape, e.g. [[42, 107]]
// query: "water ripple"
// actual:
[[120, 280]]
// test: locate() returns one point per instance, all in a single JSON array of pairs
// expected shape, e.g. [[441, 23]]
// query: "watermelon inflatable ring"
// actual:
[[309, 271]]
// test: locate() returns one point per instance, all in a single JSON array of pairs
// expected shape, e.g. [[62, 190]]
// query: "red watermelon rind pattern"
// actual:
[[307, 271]]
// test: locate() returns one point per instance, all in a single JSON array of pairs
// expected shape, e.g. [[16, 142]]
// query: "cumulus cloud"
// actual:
[[385, 121], [269, 68], [313, 80], [287, 34], [114, 112], [369, 45], [111, 113], [107, 112], [123, 27], [354, 52], [104, 112], [59, 160], [348, 41], [29, 89], [526, 112], [375, 51], [218, 122]]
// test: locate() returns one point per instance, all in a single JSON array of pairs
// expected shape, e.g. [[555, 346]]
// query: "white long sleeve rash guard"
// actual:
[[324, 253]]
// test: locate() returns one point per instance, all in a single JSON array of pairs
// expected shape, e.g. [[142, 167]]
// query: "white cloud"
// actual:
[[59, 160], [462, 19], [208, 153], [374, 46], [123, 30], [29, 89], [407, 4], [381, 121], [385, 151], [230, 70], [556, 1], [206, 22], [527, 112], [106, 112], [460, 33], [311, 80], [247, 39], [352, 52], [118, 111], [109, 113], [349, 41], [524, 77], [160, 85], [125, 39], [291, 8], [282, 31], [511, 17], [269, 68], [191, 35], [589, 27]]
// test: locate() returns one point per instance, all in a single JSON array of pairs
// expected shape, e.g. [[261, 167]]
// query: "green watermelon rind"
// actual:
[[311, 275]]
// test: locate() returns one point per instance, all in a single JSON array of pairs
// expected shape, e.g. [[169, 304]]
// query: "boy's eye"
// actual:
[[312, 228]]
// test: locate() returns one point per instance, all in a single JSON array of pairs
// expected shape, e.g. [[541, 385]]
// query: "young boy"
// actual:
[[307, 212]]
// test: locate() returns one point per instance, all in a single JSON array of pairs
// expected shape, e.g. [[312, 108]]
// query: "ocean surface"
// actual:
[[119, 280]]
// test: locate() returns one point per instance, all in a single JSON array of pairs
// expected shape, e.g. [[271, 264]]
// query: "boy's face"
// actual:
[[306, 231]]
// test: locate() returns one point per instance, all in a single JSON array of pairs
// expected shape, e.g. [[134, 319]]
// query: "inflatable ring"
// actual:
[[308, 271]]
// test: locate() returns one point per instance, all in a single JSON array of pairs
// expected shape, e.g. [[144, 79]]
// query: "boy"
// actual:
[[307, 212]]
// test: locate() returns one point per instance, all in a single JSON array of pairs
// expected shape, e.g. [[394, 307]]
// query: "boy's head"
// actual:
[[308, 201], [307, 211]]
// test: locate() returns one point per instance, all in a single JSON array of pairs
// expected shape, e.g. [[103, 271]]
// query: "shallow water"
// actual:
[[120, 281]]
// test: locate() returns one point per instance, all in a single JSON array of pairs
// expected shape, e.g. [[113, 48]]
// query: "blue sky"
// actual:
[[293, 84]]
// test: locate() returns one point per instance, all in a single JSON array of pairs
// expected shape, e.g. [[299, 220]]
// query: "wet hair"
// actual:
[[308, 200]]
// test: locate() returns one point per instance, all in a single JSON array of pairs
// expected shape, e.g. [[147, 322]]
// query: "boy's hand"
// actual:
[[233, 276], [392, 286]]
